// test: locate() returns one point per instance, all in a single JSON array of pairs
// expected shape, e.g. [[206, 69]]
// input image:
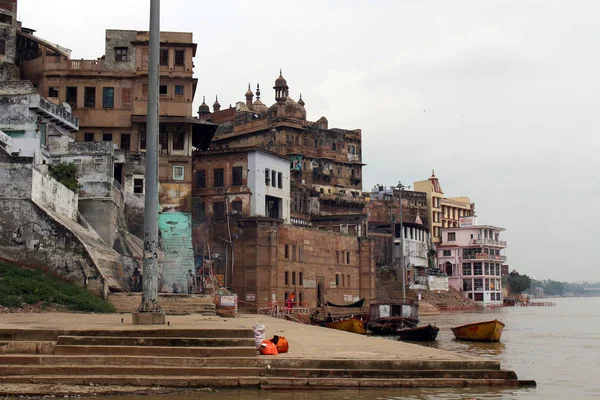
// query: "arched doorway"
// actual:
[[320, 294], [449, 268]]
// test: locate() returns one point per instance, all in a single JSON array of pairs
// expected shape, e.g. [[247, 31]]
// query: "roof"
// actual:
[[492, 227], [241, 150], [15, 88], [55, 48]]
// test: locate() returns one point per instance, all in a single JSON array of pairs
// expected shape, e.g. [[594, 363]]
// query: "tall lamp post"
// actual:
[[149, 311], [402, 266]]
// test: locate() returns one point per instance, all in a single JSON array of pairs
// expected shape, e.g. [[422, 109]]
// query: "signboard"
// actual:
[[250, 297], [332, 285], [295, 162], [309, 283], [228, 301], [384, 311], [481, 256], [467, 222], [301, 222]]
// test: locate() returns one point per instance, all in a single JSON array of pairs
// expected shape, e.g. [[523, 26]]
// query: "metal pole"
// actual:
[[400, 187], [149, 302]]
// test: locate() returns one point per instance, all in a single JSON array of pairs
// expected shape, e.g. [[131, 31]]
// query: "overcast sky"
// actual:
[[500, 97]]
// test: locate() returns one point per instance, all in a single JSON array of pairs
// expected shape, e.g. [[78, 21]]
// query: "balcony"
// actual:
[[354, 157], [483, 257], [87, 65], [501, 243], [55, 113]]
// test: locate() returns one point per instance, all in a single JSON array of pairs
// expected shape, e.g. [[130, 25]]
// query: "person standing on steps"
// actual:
[[191, 282]]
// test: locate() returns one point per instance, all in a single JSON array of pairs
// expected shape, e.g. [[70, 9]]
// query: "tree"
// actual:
[[65, 173], [554, 288], [518, 283]]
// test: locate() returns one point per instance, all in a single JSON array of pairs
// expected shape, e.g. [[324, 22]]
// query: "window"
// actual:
[[142, 140], [163, 90], [236, 175], [178, 172], [487, 268], [467, 285], [286, 280], [121, 54], [293, 253], [337, 280], [108, 97], [348, 280], [300, 279], [218, 177], [98, 160], [88, 137], [138, 186], [178, 140], [451, 236], [348, 258], [477, 268], [178, 90], [2, 47], [125, 141], [236, 207], [334, 146], [478, 284], [200, 211], [300, 256], [219, 211], [163, 142], [316, 143], [164, 56], [280, 180], [179, 57], [72, 96], [5, 18], [52, 91], [337, 256], [287, 251], [466, 269], [273, 178], [89, 97], [201, 178], [107, 137], [293, 278], [267, 176], [447, 253]]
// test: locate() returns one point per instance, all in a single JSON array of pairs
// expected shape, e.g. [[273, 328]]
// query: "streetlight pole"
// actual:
[[400, 188], [149, 311]]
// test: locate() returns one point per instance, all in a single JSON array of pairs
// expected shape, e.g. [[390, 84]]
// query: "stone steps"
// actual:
[[153, 341], [257, 381], [45, 335], [172, 304], [156, 351], [382, 365], [391, 373], [50, 360]]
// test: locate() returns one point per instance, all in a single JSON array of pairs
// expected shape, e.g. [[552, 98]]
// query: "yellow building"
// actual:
[[435, 195], [443, 212], [454, 208]]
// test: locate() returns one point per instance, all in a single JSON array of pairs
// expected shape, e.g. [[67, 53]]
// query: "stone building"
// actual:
[[109, 96], [8, 40]]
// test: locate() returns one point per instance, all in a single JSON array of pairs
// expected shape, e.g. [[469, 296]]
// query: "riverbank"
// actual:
[[106, 350]]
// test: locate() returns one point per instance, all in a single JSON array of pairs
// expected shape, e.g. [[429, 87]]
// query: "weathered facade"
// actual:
[[8, 41], [109, 96]]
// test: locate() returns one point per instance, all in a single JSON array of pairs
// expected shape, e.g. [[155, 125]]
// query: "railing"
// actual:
[[490, 242], [281, 310], [58, 112], [483, 256], [353, 157], [86, 64]]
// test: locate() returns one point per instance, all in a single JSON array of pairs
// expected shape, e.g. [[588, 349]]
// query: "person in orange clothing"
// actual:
[[290, 301]]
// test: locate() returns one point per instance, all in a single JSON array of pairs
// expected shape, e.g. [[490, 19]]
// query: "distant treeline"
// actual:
[[555, 288]]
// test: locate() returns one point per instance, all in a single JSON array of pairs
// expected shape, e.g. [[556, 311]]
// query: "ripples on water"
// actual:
[[559, 347]]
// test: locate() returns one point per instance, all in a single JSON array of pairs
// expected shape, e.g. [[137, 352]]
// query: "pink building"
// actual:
[[472, 257]]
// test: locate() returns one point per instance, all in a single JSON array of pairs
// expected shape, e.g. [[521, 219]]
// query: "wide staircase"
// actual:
[[172, 304], [210, 358]]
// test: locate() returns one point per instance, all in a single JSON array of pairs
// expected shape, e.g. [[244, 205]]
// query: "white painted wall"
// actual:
[[257, 163], [53, 195]]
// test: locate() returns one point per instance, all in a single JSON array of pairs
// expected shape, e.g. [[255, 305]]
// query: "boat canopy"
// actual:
[[358, 304]]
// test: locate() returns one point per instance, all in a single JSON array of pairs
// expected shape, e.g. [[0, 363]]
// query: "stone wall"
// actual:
[[50, 193]]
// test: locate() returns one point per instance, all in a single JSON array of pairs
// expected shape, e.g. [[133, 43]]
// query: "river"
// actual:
[[559, 347]]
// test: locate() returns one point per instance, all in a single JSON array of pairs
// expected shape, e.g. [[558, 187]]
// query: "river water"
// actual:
[[559, 347]]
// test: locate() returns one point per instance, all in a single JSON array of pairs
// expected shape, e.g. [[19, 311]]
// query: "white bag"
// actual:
[[259, 334]]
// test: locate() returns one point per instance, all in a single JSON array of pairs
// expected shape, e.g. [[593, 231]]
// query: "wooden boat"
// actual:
[[487, 331], [385, 319], [420, 334], [351, 324]]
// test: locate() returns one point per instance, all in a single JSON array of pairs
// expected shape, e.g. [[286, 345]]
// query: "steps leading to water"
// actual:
[[172, 304], [219, 358]]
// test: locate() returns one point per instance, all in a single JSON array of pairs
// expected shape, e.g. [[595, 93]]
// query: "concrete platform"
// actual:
[[196, 351]]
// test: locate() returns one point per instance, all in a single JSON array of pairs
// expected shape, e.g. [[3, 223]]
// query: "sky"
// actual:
[[500, 97]]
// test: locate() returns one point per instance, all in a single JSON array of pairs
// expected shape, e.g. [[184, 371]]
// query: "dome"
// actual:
[[258, 106], [280, 81], [249, 92], [216, 104], [287, 109], [300, 101], [203, 109]]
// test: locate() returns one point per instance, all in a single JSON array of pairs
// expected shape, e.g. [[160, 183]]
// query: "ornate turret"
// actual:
[[203, 109], [216, 105], [300, 101], [249, 97], [281, 88], [258, 105]]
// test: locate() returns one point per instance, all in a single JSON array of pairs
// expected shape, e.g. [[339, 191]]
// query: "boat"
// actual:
[[385, 319], [419, 334], [350, 324], [487, 331]]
